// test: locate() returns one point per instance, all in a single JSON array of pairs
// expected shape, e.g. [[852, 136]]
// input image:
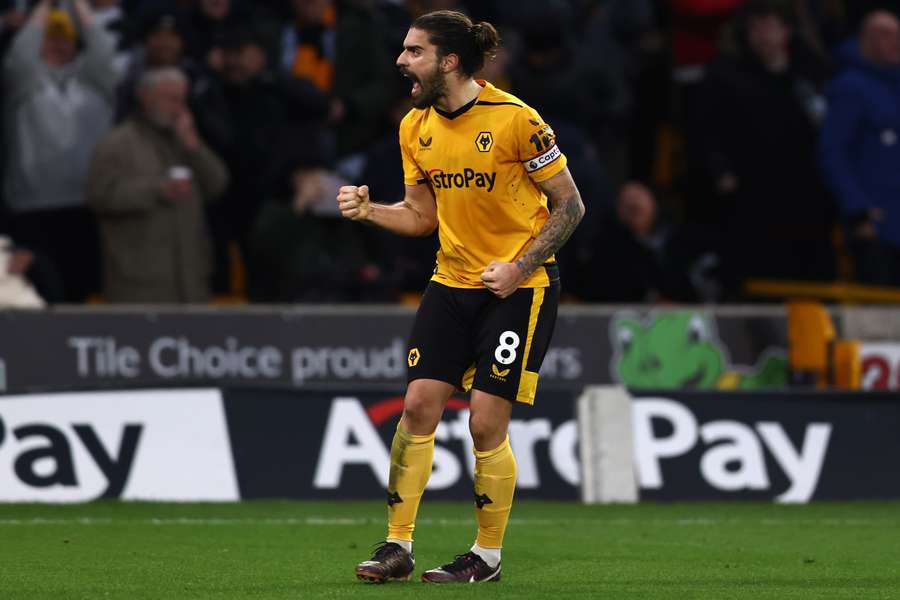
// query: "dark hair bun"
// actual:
[[487, 40]]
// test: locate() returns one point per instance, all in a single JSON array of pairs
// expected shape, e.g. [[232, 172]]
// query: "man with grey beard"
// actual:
[[148, 183]]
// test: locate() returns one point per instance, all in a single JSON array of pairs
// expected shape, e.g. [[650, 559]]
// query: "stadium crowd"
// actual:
[[174, 150]]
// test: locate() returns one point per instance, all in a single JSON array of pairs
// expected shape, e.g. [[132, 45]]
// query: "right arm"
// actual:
[[23, 60], [415, 215]]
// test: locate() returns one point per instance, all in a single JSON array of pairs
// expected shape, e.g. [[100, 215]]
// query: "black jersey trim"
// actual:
[[452, 115], [489, 103]]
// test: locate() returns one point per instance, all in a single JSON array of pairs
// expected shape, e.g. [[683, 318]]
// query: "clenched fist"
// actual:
[[353, 202], [503, 278]]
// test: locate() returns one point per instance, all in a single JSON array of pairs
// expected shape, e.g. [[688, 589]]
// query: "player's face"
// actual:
[[419, 62]]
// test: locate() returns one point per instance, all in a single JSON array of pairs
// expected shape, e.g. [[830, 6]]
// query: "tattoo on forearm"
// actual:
[[564, 217]]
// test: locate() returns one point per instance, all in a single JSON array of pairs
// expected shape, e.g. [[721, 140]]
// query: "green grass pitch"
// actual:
[[553, 550]]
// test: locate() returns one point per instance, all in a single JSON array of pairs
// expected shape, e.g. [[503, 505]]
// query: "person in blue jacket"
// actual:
[[860, 147]]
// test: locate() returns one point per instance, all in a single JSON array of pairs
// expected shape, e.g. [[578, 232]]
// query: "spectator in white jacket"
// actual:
[[58, 104], [15, 290]]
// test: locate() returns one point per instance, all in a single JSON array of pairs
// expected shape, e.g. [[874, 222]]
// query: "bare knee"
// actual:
[[421, 413], [488, 432]]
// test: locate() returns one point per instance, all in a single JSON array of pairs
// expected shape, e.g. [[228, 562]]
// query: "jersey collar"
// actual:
[[465, 107]]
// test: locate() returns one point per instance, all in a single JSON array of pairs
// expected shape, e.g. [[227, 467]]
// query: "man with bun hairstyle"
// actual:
[[482, 168]]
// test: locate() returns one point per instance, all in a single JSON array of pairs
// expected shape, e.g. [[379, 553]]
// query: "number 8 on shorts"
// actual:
[[505, 354]]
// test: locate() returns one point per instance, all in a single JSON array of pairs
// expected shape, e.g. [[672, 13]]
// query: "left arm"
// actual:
[[566, 211], [97, 66]]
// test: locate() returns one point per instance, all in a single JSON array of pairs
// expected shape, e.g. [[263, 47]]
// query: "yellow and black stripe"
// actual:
[[541, 322]]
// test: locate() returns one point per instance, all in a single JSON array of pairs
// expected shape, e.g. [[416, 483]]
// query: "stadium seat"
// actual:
[[817, 356]]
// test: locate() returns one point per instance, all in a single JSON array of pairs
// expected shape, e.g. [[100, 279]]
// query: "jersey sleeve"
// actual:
[[538, 152], [412, 174]]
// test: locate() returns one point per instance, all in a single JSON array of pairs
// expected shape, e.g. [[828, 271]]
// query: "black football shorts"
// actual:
[[472, 339]]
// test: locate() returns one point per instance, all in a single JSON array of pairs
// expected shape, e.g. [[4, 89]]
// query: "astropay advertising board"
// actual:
[[687, 446], [338, 446], [140, 445], [255, 443]]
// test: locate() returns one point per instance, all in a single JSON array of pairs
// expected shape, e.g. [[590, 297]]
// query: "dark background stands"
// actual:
[[296, 95], [762, 108]]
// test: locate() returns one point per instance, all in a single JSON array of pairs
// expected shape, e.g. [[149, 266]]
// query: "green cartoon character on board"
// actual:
[[676, 350]]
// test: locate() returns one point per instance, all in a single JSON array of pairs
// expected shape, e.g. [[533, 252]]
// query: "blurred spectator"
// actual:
[[858, 10], [339, 48], [821, 24], [58, 104], [576, 258], [859, 149], [301, 250], [622, 32], [15, 290], [696, 29], [252, 118], [38, 272], [12, 17], [763, 109], [564, 79], [641, 257], [640, 37], [160, 33], [407, 263], [209, 23], [276, 9], [148, 183]]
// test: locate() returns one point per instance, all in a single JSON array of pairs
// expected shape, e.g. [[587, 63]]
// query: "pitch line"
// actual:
[[316, 521]]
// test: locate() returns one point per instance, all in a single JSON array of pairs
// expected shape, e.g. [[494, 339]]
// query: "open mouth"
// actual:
[[416, 84]]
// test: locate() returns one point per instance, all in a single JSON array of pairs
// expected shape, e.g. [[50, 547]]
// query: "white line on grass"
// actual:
[[315, 521]]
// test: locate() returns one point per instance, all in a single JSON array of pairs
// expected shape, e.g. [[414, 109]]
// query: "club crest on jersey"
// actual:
[[467, 179], [425, 142], [485, 141]]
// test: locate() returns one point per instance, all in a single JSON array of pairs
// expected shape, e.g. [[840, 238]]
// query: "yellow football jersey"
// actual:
[[482, 162]]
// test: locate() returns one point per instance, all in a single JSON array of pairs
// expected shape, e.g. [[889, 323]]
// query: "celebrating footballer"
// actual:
[[482, 168]]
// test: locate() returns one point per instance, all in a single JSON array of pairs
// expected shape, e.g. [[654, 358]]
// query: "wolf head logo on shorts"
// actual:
[[413, 358]]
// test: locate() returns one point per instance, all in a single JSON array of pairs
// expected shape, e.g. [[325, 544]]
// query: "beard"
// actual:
[[432, 87]]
